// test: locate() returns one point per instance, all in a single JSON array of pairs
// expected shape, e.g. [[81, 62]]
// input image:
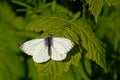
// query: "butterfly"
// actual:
[[42, 49]]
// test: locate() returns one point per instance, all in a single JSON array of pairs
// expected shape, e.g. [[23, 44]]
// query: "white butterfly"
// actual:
[[42, 49]]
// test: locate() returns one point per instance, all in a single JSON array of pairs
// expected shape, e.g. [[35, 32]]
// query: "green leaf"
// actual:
[[78, 73], [108, 26], [58, 26], [76, 16], [33, 74], [21, 3], [95, 6], [11, 65], [53, 6], [113, 2], [78, 31], [52, 69], [5, 10], [93, 46]]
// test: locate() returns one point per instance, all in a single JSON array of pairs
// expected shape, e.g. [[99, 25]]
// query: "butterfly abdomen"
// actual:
[[48, 43]]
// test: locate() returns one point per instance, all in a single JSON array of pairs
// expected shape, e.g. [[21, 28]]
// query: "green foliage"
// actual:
[[79, 72], [37, 18], [95, 6], [93, 46], [11, 67], [61, 25], [52, 70], [109, 28], [113, 2], [33, 74]]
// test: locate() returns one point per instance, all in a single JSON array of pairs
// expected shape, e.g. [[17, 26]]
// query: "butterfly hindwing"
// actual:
[[43, 55]]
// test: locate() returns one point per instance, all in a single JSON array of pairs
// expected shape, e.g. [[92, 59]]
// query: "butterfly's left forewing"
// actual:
[[37, 49], [60, 48], [30, 47]]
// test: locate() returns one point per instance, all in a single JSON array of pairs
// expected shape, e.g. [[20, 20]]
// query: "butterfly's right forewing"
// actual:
[[60, 48]]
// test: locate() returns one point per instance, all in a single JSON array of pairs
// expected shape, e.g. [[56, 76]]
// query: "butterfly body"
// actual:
[[48, 43], [42, 49]]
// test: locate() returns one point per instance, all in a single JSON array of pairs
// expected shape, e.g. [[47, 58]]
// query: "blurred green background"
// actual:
[[15, 65]]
